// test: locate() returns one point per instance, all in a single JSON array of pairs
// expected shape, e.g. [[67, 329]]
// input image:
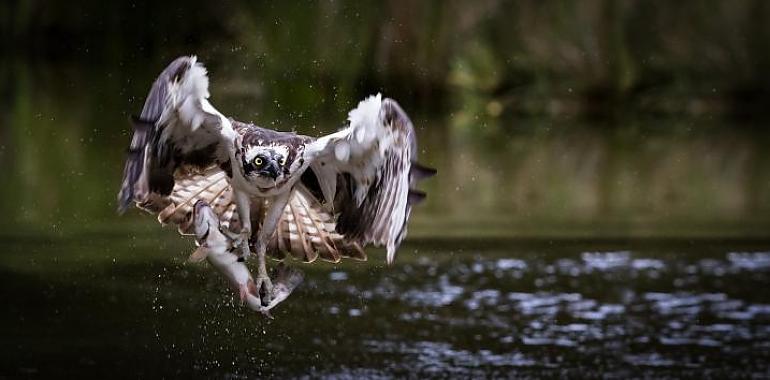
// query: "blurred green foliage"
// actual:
[[522, 57]]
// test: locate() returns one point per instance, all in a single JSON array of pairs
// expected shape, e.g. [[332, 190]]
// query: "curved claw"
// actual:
[[239, 240], [248, 297], [264, 288], [287, 280]]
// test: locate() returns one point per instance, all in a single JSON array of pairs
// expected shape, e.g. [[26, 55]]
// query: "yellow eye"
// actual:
[[283, 161], [258, 161]]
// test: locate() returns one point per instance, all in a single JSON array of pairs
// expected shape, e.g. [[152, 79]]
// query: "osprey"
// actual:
[[238, 187]]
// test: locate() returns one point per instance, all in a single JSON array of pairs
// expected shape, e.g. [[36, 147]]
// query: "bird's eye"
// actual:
[[258, 161], [283, 161]]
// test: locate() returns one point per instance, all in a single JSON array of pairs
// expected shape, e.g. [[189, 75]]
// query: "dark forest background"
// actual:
[[528, 57]]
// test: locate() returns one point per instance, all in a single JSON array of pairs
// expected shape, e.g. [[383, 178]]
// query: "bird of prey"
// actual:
[[238, 187]]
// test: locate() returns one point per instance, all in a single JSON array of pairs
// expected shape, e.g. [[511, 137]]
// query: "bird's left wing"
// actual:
[[366, 173], [177, 127]]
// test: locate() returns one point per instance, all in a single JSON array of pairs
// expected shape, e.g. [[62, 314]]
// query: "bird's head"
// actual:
[[266, 166]]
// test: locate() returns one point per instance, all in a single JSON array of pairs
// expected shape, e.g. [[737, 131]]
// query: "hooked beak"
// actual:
[[271, 170]]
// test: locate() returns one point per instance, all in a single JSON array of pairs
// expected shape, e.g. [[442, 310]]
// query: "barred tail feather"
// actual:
[[307, 231]]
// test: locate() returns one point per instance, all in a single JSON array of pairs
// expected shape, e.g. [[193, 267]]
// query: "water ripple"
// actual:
[[599, 304]]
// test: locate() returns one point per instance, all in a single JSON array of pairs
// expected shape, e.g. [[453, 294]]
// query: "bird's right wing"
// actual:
[[177, 127]]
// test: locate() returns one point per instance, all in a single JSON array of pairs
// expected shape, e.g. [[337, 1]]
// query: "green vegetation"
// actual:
[[511, 57]]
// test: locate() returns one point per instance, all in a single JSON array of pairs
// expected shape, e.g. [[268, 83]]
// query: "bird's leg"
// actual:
[[243, 205], [273, 215], [287, 279], [216, 247]]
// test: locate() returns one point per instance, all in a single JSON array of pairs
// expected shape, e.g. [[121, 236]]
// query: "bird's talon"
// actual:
[[264, 289], [243, 242], [266, 312]]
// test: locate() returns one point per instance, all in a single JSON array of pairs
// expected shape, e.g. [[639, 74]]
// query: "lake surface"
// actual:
[[547, 247], [115, 305]]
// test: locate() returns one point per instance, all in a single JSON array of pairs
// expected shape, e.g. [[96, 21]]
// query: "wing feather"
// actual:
[[177, 127], [366, 171]]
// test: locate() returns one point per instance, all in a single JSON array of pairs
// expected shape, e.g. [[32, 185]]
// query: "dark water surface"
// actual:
[[112, 305]]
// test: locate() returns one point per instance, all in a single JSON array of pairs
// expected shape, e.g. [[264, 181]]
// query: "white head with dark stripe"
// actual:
[[266, 166]]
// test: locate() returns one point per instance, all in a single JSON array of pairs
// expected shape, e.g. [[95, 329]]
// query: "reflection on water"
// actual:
[[613, 308], [636, 177], [550, 308]]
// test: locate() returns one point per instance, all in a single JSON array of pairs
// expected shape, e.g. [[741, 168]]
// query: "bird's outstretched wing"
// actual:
[[178, 126], [366, 172], [306, 230]]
